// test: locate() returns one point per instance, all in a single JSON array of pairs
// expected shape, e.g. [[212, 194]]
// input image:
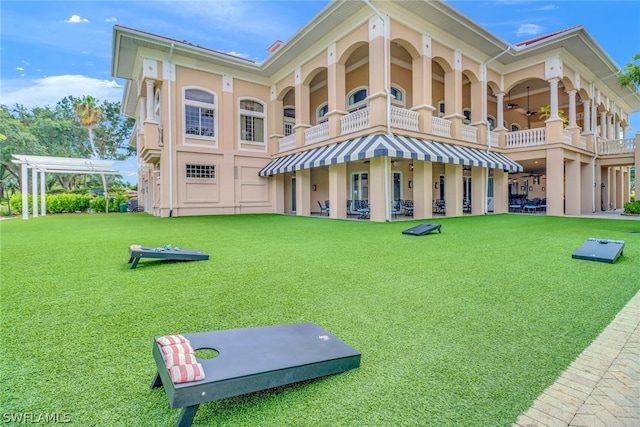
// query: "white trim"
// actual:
[[254, 114], [199, 104]]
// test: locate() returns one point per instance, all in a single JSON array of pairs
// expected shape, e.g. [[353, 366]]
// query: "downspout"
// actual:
[[385, 20], [485, 100], [169, 129]]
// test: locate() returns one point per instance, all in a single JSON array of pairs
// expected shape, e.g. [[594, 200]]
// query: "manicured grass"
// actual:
[[466, 327]]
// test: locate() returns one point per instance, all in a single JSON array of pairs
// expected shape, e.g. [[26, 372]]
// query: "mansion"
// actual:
[[373, 104]]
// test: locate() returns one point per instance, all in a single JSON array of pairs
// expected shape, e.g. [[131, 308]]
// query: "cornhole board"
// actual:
[[422, 229], [602, 250], [171, 254], [254, 359]]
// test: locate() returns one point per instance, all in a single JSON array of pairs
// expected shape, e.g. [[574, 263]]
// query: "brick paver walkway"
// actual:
[[602, 386]]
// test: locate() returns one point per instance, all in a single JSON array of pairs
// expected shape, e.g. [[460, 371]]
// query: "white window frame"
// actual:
[[254, 114], [290, 121], [351, 107], [322, 118], [200, 169], [202, 105], [402, 102]]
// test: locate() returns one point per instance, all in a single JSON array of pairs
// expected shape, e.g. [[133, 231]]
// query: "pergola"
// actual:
[[44, 164]]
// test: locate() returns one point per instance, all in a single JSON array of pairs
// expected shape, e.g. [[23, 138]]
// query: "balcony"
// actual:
[[404, 119], [287, 143], [150, 143], [469, 133], [616, 146], [441, 127], [525, 138], [316, 133], [354, 121]]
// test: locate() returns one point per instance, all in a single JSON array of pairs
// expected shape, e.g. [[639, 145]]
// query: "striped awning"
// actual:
[[395, 146]]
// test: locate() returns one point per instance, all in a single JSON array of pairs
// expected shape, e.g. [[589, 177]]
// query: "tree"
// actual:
[[89, 114], [630, 75]]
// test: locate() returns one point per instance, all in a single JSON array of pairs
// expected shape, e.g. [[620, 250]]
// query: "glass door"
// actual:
[[360, 186]]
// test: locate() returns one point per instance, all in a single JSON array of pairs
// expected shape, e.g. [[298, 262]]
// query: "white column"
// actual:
[[150, 116], [603, 125], [572, 108], [553, 99], [500, 110], [586, 107], [24, 188], [43, 194], [610, 127], [34, 191]]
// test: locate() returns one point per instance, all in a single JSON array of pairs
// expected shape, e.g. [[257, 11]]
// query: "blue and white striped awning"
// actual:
[[395, 146]]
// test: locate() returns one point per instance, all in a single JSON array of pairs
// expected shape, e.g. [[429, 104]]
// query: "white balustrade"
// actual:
[[316, 133], [494, 139], [355, 121], [441, 127], [617, 146], [583, 142], [287, 143], [469, 133], [525, 138], [404, 119], [566, 137]]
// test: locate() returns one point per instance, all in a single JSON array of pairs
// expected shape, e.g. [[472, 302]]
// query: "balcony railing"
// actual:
[[525, 138], [441, 127], [617, 146], [566, 137], [494, 139], [404, 119], [287, 143], [469, 133], [355, 121], [316, 133]]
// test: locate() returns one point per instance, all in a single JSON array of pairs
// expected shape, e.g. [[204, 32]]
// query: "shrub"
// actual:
[[632, 207], [68, 202], [16, 202]]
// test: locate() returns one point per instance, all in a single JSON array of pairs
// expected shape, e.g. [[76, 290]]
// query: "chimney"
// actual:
[[275, 46]]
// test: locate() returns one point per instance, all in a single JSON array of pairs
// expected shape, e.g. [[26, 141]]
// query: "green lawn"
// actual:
[[463, 328]]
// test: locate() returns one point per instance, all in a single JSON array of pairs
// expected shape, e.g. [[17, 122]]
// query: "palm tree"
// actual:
[[88, 112]]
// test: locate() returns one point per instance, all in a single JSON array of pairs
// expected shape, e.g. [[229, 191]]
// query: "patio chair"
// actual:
[[395, 208], [363, 208], [324, 208], [440, 206], [517, 205], [531, 206], [407, 207]]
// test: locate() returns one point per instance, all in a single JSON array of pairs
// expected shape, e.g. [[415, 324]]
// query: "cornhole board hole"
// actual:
[[422, 229], [602, 250], [137, 252], [254, 359]]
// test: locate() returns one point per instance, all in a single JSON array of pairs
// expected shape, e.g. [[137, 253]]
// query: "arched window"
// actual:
[[289, 120], [515, 127], [397, 97], [321, 113], [357, 99], [199, 113], [252, 121], [492, 122]]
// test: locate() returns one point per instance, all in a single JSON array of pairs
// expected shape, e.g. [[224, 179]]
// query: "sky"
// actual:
[[52, 49]]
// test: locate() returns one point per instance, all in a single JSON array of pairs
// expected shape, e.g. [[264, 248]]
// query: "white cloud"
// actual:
[[239, 55], [76, 19], [548, 7], [19, 68], [111, 20], [529, 30], [50, 90]]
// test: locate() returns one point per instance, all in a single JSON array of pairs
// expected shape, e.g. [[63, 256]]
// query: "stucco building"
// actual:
[[379, 101]]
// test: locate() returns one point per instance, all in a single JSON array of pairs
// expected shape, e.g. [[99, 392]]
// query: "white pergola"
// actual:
[[44, 164]]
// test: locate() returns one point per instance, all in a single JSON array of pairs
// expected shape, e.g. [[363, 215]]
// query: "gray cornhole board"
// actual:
[[422, 229], [254, 359], [602, 250], [169, 254]]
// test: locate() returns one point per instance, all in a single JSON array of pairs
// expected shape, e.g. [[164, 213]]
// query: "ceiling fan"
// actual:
[[510, 104]]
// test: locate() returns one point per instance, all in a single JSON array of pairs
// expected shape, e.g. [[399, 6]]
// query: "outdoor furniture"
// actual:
[[253, 359], [168, 253], [531, 206], [439, 207], [517, 205], [466, 206], [422, 229], [407, 207], [363, 209], [395, 208], [324, 208]]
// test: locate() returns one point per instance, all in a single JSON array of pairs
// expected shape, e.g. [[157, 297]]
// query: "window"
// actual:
[[252, 121], [515, 127], [397, 97], [441, 109], [357, 100], [289, 120], [157, 106], [321, 115], [199, 112], [492, 122], [467, 116], [201, 171]]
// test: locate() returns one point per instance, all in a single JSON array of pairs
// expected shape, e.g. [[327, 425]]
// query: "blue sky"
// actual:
[[51, 49]]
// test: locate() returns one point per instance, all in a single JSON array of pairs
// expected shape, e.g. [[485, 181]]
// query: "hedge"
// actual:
[[68, 202], [632, 207]]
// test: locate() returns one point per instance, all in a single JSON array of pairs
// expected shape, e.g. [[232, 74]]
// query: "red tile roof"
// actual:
[[546, 36]]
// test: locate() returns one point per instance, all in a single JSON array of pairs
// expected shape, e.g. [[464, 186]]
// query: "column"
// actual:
[[572, 187], [43, 194], [338, 185], [478, 189], [34, 191], [150, 110], [453, 97], [377, 198], [572, 108], [500, 191], [553, 99], [421, 78], [302, 108], [603, 125], [500, 111], [422, 189], [303, 192], [335, 92], [586, 107], [453, 189], [555, 182], [24, 188], [377, 99]]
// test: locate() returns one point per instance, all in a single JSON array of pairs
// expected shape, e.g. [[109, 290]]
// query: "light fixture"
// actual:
[[395, 163], [410, 184], [314, 187], [436, 185], [411, 167]]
